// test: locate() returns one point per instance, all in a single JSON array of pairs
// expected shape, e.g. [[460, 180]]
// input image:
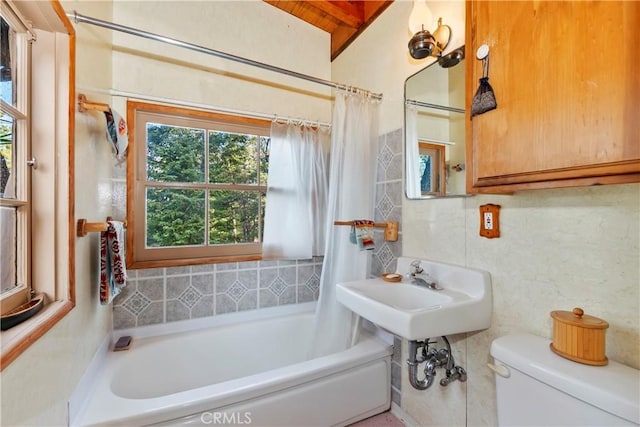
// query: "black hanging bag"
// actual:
[[484, 100]]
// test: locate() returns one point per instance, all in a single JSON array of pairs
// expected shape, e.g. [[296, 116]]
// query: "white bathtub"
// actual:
[[252, 373]]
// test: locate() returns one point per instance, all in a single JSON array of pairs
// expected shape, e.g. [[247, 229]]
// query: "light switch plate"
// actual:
[[490, 221]]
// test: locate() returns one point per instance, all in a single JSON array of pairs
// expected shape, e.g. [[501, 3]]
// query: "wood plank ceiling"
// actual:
[[344, 20]]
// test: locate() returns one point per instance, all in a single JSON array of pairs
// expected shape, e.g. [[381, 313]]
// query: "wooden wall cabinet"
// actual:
[[566, 76]]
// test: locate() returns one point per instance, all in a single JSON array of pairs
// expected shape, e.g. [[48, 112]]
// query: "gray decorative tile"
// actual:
[[289, 295], [249, 301], [396, 397], [394, 168], [122, 318], [151, 288], [151, 272], [225, 304], [176, 285], [397, 350], [385, 205], [203, 308], [313, 282], [396, 376], [267, 276], [385, 156], [268, 263], [174, 271], [227, 266], [287, 275], [177, 310], [203, 268], [236, 291], [203, 283], [305, 294], [190, 297], [277, 287], [267, 299], [154, 313], [224, 280], [394, 192], [385, 255], [394, 141], [249, 278], [136, 303]]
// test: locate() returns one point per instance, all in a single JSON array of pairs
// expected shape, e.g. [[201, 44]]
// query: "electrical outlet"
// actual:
[[489, 221]]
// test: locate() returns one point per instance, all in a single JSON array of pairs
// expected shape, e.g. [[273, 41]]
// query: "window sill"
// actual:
[[20, 337]]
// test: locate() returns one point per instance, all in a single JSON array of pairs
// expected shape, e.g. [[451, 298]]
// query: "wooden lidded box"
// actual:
[[579, 337]]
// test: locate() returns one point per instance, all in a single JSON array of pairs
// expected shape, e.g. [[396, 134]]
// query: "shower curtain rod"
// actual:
[[201, 106], [78, 18], [435, 106]]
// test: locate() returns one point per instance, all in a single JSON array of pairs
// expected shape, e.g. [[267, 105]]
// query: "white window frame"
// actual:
[[19, 170], [138, 255], [51, 113]]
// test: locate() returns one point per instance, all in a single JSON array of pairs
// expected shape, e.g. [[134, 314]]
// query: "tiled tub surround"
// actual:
[[172, 294], [389, 194]]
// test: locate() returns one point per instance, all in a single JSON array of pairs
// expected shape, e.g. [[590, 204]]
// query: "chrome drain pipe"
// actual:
[[419, 352]]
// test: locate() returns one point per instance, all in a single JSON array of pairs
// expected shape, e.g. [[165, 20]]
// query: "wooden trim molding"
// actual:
[[19, 338]]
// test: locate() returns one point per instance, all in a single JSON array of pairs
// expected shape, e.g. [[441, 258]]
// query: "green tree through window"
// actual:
[[183, 187]]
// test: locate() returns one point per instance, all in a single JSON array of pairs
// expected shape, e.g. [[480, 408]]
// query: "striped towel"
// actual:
[[113, 272]]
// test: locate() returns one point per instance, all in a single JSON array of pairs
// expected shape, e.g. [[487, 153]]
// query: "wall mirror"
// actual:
[[434, 129]]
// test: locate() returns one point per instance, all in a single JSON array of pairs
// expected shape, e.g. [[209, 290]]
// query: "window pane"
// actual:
[[8, 249], [175, 217], [235, 216], [425, 172], [234, 158], [175, 154], [7, 154], [7, 63]]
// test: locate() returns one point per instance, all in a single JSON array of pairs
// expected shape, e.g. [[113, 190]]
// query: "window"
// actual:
[[36, 144], [432, 168], [15, 183], [199, 186]]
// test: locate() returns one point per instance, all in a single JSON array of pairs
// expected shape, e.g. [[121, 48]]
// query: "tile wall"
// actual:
[[389, 195], [172, 294]]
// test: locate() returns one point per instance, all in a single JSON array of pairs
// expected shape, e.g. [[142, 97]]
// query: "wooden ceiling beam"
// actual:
[[351, 14], [343, 19]]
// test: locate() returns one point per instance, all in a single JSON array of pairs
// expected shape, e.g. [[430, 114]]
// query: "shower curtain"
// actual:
[[352, 173], [412, 156], [295, 211]]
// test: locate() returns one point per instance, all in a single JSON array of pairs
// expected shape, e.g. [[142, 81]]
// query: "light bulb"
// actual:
[[421, 17]]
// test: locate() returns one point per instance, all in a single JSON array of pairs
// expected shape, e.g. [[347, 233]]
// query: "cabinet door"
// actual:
[[566, 76]]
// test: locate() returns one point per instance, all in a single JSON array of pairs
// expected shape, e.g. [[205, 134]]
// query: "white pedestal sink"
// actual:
[[413, 312]]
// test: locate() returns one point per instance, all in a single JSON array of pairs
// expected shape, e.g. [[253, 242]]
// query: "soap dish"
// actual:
[[391, 277]]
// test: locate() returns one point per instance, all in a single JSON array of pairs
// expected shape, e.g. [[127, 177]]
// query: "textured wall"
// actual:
[[559, 248], [36, 386]]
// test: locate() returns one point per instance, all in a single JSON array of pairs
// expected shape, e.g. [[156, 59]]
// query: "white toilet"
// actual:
[[536, 387]]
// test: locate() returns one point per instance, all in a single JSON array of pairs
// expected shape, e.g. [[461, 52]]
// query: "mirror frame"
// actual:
[[406, 142]]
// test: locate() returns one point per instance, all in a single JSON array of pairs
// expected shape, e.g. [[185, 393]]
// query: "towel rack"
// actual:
[[85, 105], [390, 228], [83, 227]]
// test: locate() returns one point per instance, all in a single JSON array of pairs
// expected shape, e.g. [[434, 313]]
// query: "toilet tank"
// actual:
[[536, 387]]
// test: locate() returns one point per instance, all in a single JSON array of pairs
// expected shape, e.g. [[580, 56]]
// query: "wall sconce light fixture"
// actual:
[[423, 43]]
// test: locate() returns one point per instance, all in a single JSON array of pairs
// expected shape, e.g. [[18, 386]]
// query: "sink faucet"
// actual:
[[420, 278], [415, 268], [429, 283]]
